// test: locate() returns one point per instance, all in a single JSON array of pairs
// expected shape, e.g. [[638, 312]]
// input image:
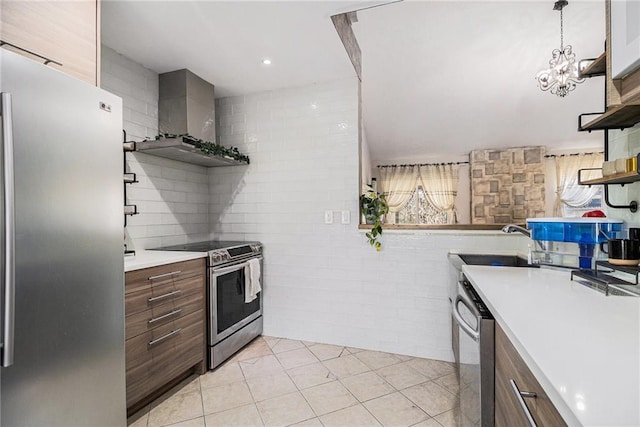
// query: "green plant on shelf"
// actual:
[[373, 207], [209, 148]]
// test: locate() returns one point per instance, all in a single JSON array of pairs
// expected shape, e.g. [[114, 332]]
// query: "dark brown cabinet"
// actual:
[[165, 328], [513, 378]]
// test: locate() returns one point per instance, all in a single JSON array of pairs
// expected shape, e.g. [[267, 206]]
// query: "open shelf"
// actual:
[[619, 178], [130, 178], [183, 149], [131, 210], [616, 117], [597, 67]]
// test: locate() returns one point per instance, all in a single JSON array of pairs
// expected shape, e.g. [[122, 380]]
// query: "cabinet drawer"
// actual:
[[166, 366], [167, 292], [165, 339], [510, 366], [147, 320], [138, 280]]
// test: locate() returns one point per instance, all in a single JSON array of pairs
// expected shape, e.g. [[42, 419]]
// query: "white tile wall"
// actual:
[[172, 197], [324, 283]]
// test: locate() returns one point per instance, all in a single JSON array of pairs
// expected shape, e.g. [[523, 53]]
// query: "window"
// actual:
[[573, 199], [418, 210], [593, 204]]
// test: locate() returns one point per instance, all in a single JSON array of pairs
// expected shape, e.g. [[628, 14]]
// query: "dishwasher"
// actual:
[[476, 361]]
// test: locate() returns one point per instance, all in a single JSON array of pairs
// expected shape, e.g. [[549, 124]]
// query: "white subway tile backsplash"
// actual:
[[324, 282], [175, 174], [172, 197], [152, 207], [136, 232], [149, 242], [143, 119], [145, 218]]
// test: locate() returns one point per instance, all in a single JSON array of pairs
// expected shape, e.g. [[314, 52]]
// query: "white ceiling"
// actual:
[[439, 78], [442, 78], [224, 42]]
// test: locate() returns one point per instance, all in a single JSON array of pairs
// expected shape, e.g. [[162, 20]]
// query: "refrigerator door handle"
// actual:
[[8, 290]]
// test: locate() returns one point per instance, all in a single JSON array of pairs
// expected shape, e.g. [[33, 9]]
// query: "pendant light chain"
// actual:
[[561, 31]]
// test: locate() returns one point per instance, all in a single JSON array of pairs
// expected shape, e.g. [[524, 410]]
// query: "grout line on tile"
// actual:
[[183, 421], [328, 376], [204, 415], [257, 410]]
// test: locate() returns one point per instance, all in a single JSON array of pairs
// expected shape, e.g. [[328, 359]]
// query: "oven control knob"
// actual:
[[225, 257], [216, 258]]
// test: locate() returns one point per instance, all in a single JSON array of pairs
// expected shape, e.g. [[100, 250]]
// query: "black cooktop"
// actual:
[[207, 246]]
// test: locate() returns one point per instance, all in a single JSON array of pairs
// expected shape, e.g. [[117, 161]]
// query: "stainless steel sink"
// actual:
[[495, 260]]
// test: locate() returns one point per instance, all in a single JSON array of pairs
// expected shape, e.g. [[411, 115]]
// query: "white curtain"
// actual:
[[398, 184], [440, 185], [568, 191]]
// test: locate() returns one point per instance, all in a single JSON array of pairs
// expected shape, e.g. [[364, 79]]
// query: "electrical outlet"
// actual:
[[328, 217], [346, 217]]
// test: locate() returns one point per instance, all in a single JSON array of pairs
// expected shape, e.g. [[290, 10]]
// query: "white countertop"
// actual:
[[145, 259], [582, 346]]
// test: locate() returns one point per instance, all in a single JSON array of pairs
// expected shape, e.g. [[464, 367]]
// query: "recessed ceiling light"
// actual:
[[266, 61]]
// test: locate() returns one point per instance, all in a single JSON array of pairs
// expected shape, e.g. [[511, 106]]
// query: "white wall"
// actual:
[[365, 159], [324, 282], [172, 197]]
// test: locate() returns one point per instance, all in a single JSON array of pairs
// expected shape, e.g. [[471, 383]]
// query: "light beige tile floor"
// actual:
[[281, 382]]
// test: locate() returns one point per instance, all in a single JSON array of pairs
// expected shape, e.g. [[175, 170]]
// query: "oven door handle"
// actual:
[[224, 270], [473, 333]]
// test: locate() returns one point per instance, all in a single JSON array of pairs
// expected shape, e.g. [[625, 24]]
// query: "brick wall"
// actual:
[[507, 186], [172, 197]]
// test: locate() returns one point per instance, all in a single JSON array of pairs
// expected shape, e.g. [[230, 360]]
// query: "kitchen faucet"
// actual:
[[512, 228]]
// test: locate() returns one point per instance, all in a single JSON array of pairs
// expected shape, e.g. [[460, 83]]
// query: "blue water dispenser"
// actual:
[[586, 232]]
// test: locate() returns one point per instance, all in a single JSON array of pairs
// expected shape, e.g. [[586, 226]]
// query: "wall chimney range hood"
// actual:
[[186, 105], [186, 119]]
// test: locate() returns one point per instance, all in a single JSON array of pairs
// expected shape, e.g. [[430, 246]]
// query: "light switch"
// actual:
[[346, 217], [328, 217]]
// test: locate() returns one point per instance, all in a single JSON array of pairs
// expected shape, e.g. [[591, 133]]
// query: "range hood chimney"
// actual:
[[186, 105]]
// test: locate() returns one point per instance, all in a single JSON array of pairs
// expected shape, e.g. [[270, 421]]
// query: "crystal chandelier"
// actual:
[[562, 75]]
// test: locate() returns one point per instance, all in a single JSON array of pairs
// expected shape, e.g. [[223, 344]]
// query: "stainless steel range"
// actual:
[[232, 322]]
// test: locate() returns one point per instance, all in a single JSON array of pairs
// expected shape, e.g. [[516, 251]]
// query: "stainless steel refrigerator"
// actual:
[[63, 360]]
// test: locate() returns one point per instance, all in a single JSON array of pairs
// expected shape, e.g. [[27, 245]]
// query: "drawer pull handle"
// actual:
[[519, 395], [160, 297], [164, 337], [160, 276], [164, 316]]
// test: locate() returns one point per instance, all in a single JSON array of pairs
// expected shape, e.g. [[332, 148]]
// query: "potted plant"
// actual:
[[373, 207]]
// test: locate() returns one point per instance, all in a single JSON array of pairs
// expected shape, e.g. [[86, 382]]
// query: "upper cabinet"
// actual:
[[624, 36], [622, 94], [624, 90], [67, 32]]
